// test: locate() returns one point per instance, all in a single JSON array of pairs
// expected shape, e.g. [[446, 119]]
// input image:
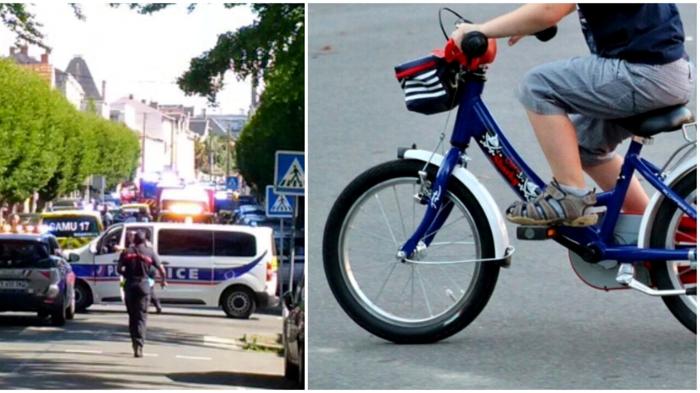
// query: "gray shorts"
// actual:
[[593, 90]]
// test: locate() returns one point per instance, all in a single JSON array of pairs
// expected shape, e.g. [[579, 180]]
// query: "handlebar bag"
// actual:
[[430, 84]]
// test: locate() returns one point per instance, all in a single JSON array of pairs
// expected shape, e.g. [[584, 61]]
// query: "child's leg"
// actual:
[[557, 137], [605, 175]]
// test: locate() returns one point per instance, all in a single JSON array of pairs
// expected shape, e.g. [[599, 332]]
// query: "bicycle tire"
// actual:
[[661, 272], [482, 284]]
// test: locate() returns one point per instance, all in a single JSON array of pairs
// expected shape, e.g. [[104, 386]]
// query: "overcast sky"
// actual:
[[137, 54]]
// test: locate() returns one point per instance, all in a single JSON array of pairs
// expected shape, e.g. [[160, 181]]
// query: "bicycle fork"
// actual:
[[438, 210], [436, 213]]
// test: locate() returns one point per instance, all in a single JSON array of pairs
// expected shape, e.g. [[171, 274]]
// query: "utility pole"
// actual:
[[228, 153]]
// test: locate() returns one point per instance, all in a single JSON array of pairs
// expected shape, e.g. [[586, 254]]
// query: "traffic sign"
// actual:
[[232, 183], [289, 172], [278, 205]]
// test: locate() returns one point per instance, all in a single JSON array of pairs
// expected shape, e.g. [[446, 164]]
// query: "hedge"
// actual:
[[48, 146]]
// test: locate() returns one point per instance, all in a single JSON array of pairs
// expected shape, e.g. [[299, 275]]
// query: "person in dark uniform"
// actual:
[[135, 263], [151, 273]]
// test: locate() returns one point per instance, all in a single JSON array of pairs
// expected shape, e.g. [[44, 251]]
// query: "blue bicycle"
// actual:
[[413, 247]]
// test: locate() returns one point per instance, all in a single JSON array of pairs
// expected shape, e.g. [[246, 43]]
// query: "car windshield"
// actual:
[[80, 226], [23, 254]]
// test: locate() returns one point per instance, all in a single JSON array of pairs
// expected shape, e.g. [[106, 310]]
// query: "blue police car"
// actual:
[[34, 276]]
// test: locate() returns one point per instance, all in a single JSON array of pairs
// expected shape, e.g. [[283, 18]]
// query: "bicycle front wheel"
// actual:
[[428, 298]]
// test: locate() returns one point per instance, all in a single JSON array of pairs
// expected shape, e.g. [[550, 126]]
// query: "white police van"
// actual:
[[215, 265]]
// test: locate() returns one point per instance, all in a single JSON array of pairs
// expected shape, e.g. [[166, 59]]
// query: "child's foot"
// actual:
[[555, 206]]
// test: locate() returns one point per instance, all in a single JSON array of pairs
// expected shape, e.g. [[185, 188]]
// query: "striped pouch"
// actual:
[[430, 84]]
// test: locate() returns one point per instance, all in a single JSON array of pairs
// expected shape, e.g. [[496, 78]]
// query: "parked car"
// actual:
[[227, 266], [293, 334], [35, 277]]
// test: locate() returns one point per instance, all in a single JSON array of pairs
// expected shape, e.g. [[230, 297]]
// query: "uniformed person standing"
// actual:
[[134, 264]]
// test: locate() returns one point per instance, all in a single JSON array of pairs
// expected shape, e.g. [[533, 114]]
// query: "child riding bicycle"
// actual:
[[637, 64]]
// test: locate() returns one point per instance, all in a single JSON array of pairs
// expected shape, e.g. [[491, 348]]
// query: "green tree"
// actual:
[[17, 18], [51, 148], [272, 48], [28, 158]]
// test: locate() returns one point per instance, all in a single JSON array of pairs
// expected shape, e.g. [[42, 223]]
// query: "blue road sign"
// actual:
[[278, 205], [232, 183], [289, 172]]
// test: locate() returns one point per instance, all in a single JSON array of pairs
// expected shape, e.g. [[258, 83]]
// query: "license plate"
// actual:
[[13, 284]]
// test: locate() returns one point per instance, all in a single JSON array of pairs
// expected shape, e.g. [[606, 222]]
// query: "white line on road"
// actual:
[[192, 357], [82, 351], [150, 355]]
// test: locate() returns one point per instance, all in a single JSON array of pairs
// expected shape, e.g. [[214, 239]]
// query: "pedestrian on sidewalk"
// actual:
[[135, 264]]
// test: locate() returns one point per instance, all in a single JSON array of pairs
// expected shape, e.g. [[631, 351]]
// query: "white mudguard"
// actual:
[[655, 202], [488, 204]]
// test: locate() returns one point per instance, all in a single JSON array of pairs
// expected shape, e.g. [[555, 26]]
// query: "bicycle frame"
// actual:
[[475, 122]]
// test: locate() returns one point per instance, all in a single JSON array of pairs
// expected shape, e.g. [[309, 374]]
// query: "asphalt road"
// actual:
[[543, 328], [186, 348]]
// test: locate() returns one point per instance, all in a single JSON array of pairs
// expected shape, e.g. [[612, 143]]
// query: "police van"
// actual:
[[214, 265]]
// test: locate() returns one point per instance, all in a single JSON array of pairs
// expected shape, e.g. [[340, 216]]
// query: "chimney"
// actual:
[[104, 91], [143, 101], [45, 58], [24, 49], [153, 104], [131, 96], [12, 51], [204, 113]]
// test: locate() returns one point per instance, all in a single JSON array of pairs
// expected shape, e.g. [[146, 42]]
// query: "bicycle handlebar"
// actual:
[[546, 34]]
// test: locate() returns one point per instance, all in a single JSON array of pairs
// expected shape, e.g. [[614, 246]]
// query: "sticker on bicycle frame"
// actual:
[[507, 167]]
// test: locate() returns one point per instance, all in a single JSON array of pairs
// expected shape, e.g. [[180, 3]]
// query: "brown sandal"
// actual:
[[554, 207]]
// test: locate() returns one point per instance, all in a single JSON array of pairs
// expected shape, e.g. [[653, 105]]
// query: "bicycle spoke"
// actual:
[[391, 270], [398, 206], [425, 294], [386, 220], [413, 224]]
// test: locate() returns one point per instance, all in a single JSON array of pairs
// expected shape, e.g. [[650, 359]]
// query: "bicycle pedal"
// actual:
[[534, 232]]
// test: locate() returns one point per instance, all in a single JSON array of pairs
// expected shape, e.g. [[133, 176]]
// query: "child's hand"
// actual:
[[461, 30], [514, 39]]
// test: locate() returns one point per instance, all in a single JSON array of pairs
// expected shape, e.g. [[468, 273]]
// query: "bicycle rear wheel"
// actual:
[[428, 298], [674, 229]]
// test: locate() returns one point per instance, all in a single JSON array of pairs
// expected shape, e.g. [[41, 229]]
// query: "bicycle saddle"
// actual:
[[657, 121]]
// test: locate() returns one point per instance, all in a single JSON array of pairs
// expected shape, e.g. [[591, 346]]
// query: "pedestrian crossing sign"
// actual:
[[289, 172], [278, 205]]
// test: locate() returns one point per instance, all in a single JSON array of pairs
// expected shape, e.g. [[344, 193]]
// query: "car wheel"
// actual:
[[238, 302], [83, 296], [58, 317], [70, 311]]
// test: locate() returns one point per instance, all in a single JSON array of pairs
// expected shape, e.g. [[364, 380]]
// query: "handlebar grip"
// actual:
[[474, 44], [546, 34]]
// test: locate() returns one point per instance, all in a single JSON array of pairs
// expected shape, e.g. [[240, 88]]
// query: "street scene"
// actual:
[[543, 328], [152, 196]]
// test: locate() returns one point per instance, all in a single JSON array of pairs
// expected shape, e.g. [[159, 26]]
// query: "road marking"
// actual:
[[192, 357], [150, 355], [82, 351]]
